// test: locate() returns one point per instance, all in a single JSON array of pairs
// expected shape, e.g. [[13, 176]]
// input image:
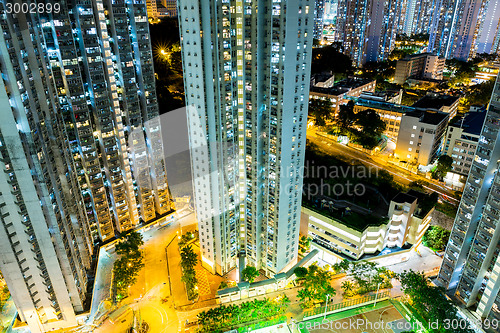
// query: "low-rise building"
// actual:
[[342, 91], [439, 102], [388, 96], [487, 70], [461, 141], [390, 113], [404, 226], [323, 80], [419, 66], [167, 8], [420, 136]]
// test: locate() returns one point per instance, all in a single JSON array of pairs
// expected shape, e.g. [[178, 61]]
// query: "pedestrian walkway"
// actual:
[[203, 284]]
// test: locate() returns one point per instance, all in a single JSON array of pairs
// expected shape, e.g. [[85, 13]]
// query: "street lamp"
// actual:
[[376, 295], [326, 305]]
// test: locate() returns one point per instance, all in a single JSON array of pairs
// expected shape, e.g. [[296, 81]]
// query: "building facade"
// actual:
[[168, 8], [343, 91], [81, 149], [406, 224], [319, 12], [461, 141], [390, 113], [246, 76], [368, 28], [417, 17], [462, 28], [423, 65], [471, 264], [420, 136]]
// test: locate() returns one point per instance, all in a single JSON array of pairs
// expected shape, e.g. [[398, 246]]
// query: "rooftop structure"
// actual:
[[342, 91], [339, 235], [439, 102]]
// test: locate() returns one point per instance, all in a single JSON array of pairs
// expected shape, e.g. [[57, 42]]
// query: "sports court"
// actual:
[[381, 318]]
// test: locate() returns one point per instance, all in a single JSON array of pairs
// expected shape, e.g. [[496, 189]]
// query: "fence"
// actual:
[[409, 315], [336, 307], [262, 324]]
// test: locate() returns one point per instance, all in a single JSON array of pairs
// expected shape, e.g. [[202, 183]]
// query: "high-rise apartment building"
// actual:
[[246, 76], [471, 264], [152, 9], [462, 28], [487, 35], [417, 16], [368, 28], [319, 12], [80, 145]]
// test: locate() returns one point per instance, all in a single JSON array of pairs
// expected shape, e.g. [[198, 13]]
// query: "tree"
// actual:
[[300, 272], [127, 267], [330, 58], [304, 244], [249, 273], [316, 285], [223, 285], [371, 125], [443, 166], [370, 122], [349, 288], [346, 116], [130, 244], [321, 110], [429, 301], [189, 259], [436, 237]]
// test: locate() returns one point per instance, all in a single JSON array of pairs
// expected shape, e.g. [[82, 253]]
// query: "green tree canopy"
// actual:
[[429, 301], [130, 245], [321, 110], [300, 272], [436, 237], [249, 273], [346, 117], [370, 122], [127, 267], [189, 259], [330, 58], [316, 285], [444, 165]]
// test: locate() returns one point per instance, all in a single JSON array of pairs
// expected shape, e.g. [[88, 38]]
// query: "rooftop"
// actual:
[[342, 86], [471, 123], [404, 197], [428, 117], [425, 202], [435, 101], [417, 55], [384, 105], [347, 217]]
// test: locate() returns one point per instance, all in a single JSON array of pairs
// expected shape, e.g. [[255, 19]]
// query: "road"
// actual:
[[153, 283], [400, 175]]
